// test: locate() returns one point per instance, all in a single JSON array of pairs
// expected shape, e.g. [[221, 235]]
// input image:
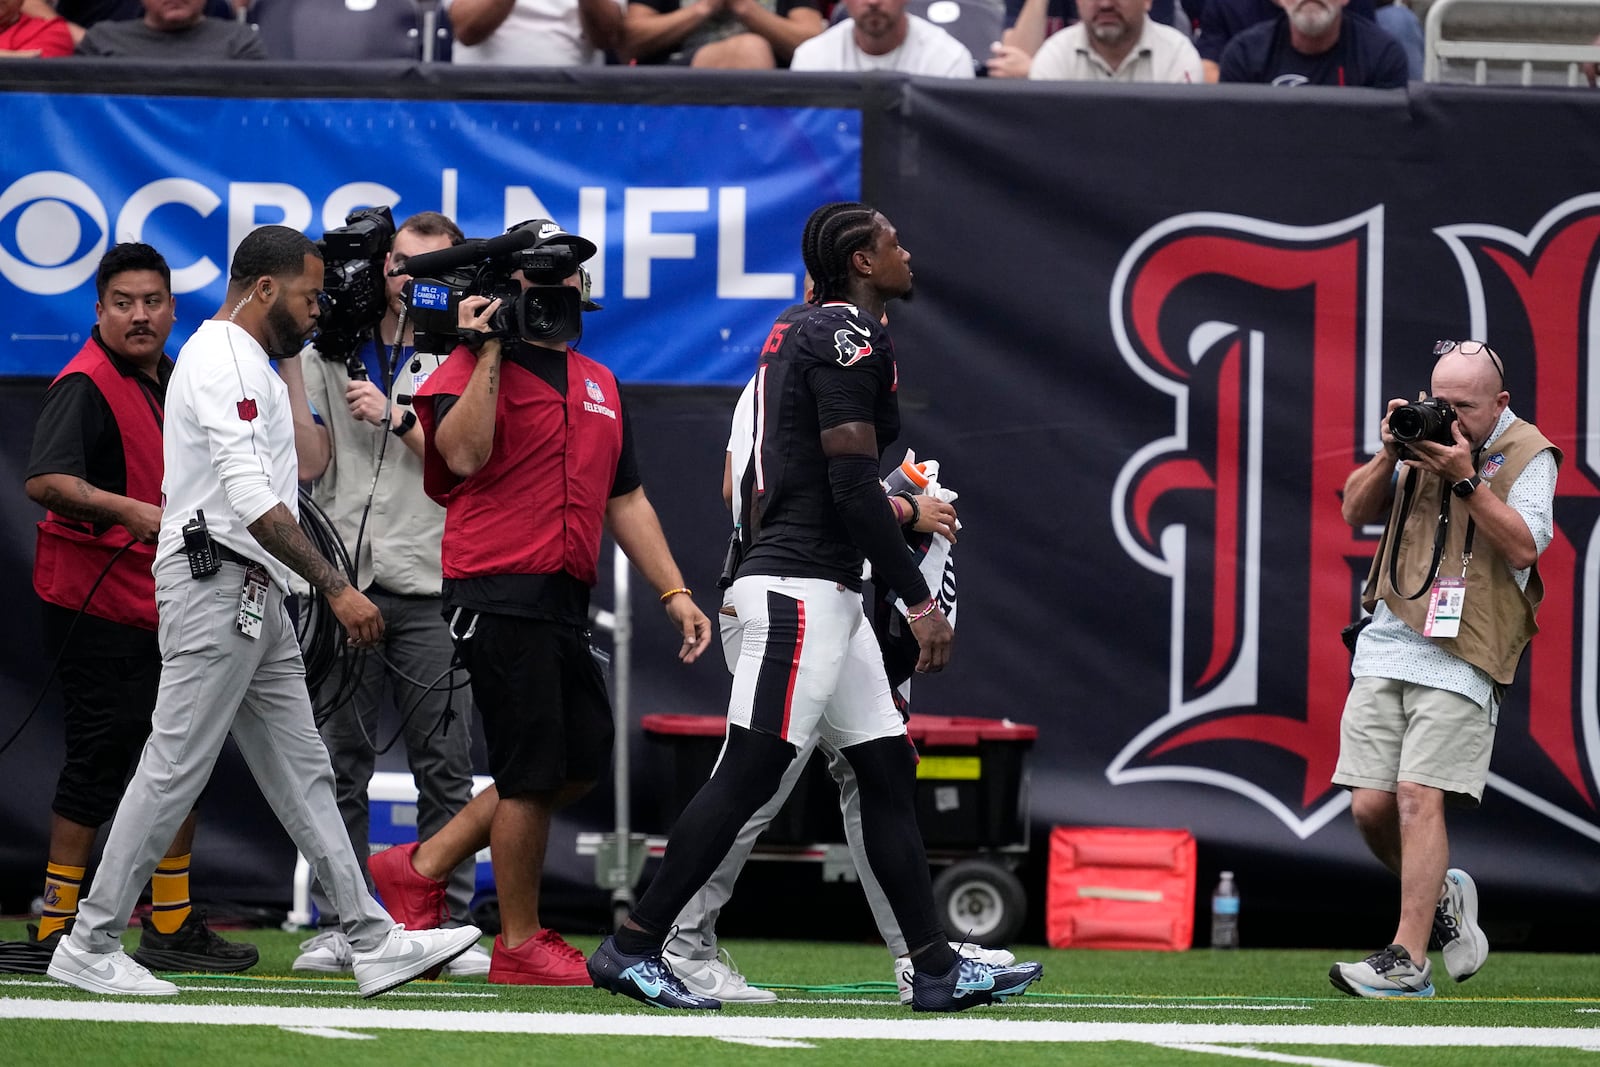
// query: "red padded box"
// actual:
[[1110, 887]]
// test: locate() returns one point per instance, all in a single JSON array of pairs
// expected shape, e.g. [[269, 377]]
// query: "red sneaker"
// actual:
[[543, 959], [410, 899]]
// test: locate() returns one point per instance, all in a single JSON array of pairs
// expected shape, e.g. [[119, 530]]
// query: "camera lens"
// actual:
[[1408, 423]]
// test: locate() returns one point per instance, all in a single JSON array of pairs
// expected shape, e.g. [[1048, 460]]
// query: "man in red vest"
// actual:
[[529, 449], [96, 466]]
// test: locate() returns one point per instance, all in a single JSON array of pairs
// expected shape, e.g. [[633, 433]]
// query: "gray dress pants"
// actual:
[[215, 680]]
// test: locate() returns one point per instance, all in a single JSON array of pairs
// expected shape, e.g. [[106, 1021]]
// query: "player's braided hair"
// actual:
[[832, 234]]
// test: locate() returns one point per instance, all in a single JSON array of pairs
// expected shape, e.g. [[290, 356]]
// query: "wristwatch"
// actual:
[[403, 427], [1466, 486]]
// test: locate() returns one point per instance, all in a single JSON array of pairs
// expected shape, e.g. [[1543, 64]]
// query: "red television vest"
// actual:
[[68, 555], [538, 505]]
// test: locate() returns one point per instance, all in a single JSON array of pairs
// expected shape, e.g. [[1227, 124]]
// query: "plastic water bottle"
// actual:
[[1225, 913]]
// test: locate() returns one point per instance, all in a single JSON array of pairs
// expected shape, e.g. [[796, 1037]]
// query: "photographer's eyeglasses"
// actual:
[[1472, 348]]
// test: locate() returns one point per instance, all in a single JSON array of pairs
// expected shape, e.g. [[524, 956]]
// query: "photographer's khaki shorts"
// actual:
[[1403, 732]]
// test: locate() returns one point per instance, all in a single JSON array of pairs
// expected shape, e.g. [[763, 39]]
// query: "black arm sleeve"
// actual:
[[870, 520]]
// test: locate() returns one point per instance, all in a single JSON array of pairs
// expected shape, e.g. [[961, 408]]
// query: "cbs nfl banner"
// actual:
[[697, 211]]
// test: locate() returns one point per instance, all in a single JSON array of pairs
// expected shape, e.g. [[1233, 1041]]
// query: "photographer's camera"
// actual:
[[1423, 420]]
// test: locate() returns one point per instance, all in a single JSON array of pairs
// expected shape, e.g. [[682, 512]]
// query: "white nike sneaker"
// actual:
[[406, 954], [469, 964], [903, 969], [718, 979], [327, 953], [1455, 926], [105, 972]]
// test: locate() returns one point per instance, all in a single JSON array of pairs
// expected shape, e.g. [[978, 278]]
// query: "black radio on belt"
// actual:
[[200, 548]]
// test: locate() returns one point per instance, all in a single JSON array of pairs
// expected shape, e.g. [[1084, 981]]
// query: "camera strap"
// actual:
[[1407, 498]]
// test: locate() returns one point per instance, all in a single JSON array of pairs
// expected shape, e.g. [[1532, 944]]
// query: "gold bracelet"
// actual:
[[670, 593]]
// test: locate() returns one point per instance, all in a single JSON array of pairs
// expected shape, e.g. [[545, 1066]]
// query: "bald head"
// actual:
[[1472, 384]]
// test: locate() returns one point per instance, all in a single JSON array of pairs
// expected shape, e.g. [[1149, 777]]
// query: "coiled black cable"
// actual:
[[66, 643]]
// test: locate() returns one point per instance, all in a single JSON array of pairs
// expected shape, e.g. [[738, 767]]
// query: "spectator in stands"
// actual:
[[1223, 20], [1116, 40], [170, 30], [1312, 43], [535, 33], [32, 35], [882, 35], [1030, 22], [81, 14], [731, 34]]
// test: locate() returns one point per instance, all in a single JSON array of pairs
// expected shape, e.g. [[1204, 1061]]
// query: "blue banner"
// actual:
[[697, 211]]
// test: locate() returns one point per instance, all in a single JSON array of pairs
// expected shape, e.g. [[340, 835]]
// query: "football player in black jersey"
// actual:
[[826, 408]]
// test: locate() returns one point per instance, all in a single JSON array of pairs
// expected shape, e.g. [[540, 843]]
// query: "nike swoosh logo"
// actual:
[[649, 988], [413, 950], [103, 970], [963, 988], [858, 328]]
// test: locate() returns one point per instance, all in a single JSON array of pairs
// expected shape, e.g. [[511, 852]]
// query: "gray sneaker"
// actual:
[[1455, 926], [116, 972], [1389, 973], [327, 953], [407, 954], [718, 979]]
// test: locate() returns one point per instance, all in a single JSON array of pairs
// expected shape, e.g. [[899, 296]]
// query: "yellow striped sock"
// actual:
[[169, 893], [61, 887]]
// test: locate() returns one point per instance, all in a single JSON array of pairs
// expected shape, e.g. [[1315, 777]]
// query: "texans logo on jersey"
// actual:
[[852, 344]]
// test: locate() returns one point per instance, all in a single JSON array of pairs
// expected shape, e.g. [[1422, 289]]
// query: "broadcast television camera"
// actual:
[[547, 309], [353, 293]]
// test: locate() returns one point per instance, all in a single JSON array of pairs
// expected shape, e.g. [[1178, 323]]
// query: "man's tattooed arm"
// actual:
[[281, 535], [76, 499]]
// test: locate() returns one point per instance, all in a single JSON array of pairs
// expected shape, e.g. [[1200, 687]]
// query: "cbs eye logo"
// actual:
[[53, 231]]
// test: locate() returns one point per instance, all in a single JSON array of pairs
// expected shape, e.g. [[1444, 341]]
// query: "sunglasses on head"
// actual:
[[1472, 348]]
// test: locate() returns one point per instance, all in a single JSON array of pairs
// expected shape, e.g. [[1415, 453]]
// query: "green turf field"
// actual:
[[837, 1002]]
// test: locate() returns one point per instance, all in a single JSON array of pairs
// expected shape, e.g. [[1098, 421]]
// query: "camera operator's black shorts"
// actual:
[[108, 707], [542, 699]]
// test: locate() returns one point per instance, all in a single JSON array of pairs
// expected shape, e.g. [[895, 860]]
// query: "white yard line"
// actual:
[[1248, 1053], [766, 1042], [324, 1031], [669, 1024]]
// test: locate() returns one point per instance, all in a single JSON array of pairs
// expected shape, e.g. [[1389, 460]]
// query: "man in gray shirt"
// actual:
[[172, 29]]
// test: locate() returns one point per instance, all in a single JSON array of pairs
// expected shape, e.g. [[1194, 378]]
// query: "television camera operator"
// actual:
[[358, 439], [529, 448]]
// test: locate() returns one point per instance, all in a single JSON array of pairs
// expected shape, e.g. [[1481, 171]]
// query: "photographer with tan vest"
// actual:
[[1454, 589]]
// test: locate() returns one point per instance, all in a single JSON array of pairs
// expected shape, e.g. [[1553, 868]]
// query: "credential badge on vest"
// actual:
[[1493, 464]]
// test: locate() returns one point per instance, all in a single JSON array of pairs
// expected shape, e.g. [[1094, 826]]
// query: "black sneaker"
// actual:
[[193, 947], [31, 956], [969, 983], [646, 979]]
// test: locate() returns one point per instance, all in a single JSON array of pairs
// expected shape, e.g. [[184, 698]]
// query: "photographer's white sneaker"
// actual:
[[1455, 926], [407, 954], [105, 972]]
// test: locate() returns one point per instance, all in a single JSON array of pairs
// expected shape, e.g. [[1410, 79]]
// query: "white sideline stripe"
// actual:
[[1248, 1053], [325, 1031], [275, 990], [672, 1024]]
